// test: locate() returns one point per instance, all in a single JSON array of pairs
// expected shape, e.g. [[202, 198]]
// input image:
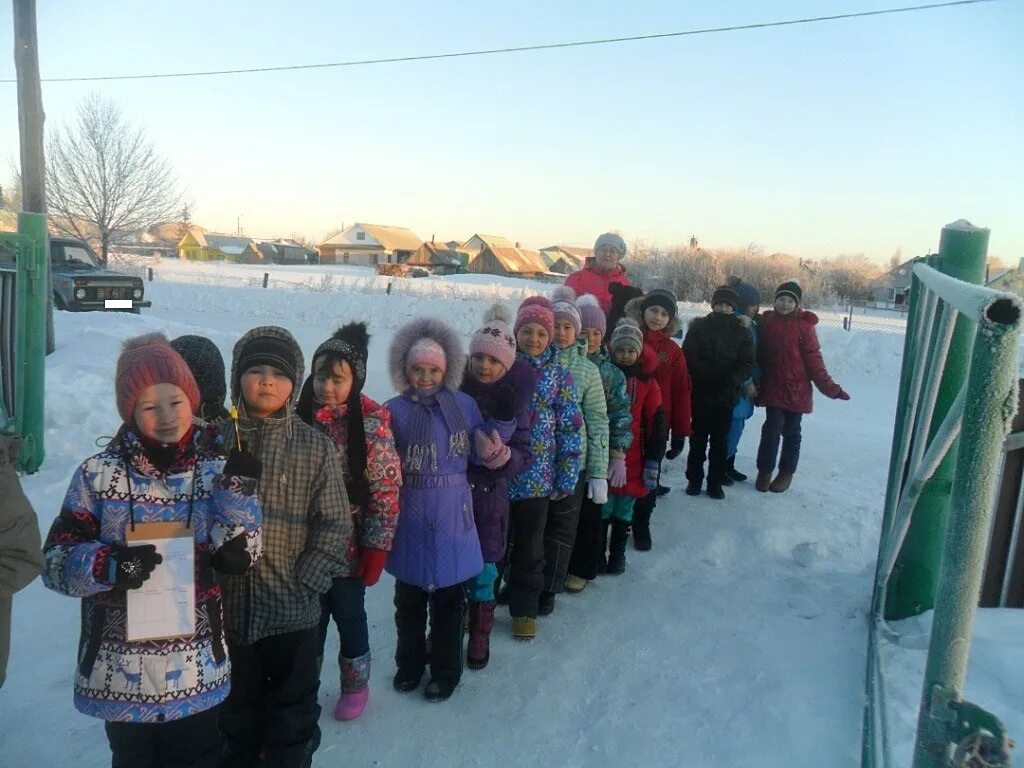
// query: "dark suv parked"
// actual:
[[80, 284]]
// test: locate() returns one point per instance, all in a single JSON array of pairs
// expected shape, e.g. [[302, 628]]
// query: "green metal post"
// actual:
[[993, 378], [30, 331], [962, 254]]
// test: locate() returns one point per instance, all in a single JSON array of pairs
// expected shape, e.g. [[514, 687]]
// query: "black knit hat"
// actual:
[[207, 366], [269, 350], [351, 343], [660, 297], [725, 295], [792, 289]]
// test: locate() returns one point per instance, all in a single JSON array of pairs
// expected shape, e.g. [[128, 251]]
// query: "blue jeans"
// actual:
[[344, 601], [779, 425]]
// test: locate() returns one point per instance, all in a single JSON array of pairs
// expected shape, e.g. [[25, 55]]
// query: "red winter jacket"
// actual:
[[595, 282], [674, 379], [789, 356], [649, 429]]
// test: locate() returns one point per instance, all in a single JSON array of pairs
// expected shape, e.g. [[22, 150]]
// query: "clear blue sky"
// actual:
[[864, 135]]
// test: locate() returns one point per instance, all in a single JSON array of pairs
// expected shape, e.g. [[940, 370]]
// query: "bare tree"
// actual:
[[105, 179]]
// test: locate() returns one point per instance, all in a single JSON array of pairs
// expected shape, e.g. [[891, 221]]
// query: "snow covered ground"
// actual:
[[738, 641]]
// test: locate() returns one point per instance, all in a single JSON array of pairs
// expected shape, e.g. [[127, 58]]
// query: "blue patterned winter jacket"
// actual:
[[156, 680], [557, 435]]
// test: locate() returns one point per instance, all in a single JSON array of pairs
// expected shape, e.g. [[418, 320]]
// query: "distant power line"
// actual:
[[514, 49]]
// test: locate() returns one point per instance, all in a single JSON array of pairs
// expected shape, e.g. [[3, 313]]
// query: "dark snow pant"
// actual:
[[192, 742], [447, 614], [710, 425], [784, 425], [272, 708], [526, 555], [642, 509], [586, 552], [560, 535]]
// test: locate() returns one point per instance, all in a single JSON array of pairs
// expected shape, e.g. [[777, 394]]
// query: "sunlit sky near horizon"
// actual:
[[864, 135]]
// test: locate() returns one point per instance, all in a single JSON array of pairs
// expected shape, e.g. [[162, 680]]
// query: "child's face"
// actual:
[[594, 338], [656, 318], [606, 257], [721, 308], [486, 369], [752, 311], [625, 355], [332, 382], [532, 339], [565, 334], [785, 305], [163, 413], [425, 377], [265, 390]]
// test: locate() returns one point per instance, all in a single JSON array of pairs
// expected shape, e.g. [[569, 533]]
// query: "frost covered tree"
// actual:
[[104, 178]]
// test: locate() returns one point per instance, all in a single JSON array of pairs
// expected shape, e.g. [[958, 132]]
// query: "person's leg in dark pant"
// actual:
[[132, 745], [447, 615], [642, 510], [698, 448], [411, 624], [241, 716], [350, 616], [719, 421], [526, 560], [559, 537], [192, 742], [586, 552], [791, 439], [771, 434], [291, 733]]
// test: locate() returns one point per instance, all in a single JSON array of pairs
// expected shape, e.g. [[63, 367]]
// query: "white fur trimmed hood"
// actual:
[[436, 330]]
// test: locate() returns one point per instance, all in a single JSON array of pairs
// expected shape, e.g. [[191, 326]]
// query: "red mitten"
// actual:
[[371, 564], [842, 395]]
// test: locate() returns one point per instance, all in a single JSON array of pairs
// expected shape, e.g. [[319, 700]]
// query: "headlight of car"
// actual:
[[80, 293], [137, 293]]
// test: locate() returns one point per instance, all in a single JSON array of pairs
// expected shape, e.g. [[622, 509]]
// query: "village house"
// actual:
[[565, 259], [892, 289], [199, 245], [511, 261], [440, 258], [369, 245], [1011, 280]]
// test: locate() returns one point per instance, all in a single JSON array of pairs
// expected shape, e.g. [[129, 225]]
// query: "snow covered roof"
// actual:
[[390, 238]]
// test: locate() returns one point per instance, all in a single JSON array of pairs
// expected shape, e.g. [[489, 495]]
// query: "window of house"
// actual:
[[360, 235], [376, 259], [344, 258]]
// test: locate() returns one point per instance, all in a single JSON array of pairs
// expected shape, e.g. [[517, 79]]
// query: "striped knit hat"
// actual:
[[536, 309], [627, 334]]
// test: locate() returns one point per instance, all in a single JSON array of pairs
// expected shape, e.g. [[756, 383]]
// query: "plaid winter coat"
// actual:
[[155, 680], [306, 529], [374, 526]]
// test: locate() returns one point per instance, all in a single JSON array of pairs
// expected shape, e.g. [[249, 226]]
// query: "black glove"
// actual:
[[504, 403], [232, 558], [678, 443], [243, 464], [134, 564]]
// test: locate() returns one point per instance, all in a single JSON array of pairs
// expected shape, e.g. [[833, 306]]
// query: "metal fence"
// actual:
[[949, 728]]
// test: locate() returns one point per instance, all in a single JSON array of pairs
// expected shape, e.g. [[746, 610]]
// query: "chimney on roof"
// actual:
[[517, 244], [431, 239]]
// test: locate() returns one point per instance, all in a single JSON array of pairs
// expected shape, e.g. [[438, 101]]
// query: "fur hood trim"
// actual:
[[436, 330], [634, 309]]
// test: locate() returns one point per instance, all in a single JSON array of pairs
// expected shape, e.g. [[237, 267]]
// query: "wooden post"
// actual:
[[30, 128], [266, 279], [150, 274]]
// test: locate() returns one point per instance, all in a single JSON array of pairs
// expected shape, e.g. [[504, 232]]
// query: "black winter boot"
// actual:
[[448, 608], [617, 548], [641, 528], [732, 473]]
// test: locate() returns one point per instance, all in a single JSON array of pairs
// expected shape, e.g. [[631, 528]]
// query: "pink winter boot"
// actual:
[[355, 689]]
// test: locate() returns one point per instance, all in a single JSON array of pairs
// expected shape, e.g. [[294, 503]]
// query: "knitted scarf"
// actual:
[[421, 452]]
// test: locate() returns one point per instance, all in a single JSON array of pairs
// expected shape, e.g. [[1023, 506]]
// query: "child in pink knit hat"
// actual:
[[556, 443], [154, 685]]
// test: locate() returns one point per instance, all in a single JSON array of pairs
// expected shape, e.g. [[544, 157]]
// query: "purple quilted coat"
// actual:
[[490, 486], [436, 543]]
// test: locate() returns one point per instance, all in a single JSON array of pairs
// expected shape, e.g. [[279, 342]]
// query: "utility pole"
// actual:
[[30, 128]]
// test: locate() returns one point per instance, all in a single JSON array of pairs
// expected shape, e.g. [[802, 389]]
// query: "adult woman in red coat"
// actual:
[[790, 359], [601, 270]]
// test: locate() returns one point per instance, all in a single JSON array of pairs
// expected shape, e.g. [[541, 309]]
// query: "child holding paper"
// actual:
[[159, 697]]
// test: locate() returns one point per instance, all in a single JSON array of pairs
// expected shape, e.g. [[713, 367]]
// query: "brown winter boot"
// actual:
[[781, 482], [481, 621], [763, 482]]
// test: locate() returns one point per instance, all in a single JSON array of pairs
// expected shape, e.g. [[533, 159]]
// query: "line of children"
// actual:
[[474, 469]]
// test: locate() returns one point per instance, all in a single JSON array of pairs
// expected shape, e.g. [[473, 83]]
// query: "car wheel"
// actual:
[[58, 302]]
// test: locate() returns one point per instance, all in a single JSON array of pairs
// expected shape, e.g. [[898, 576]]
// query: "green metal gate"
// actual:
[[980, 390]]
